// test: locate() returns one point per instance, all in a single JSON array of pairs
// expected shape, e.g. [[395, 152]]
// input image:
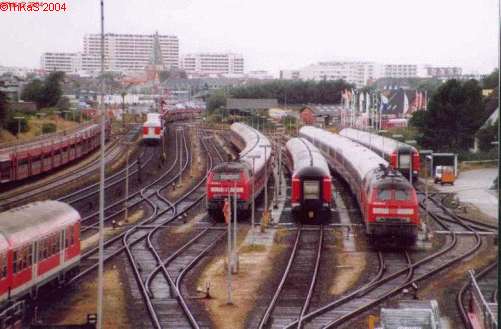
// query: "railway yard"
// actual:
[[165, 248]]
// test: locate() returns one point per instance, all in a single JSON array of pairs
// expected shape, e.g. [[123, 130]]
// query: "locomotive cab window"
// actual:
[[402, 194], [384, 195]]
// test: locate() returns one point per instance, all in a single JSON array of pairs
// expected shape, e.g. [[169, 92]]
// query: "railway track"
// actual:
[[487, 283], [160, 280], [394, 275], [293, 295], [18, 197]]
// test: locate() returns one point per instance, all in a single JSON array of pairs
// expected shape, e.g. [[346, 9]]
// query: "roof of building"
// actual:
[[322, 109], [491, 119], [246, 104]]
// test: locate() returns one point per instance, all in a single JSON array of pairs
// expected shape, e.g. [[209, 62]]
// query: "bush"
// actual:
[[48, 128]]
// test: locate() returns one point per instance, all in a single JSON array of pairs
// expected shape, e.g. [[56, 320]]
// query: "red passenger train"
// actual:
[[401, 156], [39, 243], [34, 158], [244, 178], [311, 192], [387, 200]]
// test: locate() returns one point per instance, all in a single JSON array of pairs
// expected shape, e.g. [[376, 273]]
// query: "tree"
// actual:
[[52, 90], [455, 113], [491, 81], [216, 101], [63, 104], [4, 108], [295, 92], [47, 93], [32, 91]]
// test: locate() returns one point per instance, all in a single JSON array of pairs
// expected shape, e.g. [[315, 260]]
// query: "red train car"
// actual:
[[401, 156], [387, 200], [311, 192], [41, 245], [34, 158], [244, 178]]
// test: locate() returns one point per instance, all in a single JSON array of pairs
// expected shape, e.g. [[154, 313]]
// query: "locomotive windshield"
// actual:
[[229, 172], [393, 193]]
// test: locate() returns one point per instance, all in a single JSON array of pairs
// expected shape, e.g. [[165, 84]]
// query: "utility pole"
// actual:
[[227, 217], [100, 282], [235, 252]]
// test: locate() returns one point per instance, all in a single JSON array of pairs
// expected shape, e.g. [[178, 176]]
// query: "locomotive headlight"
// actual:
[[384, 211], [405, 211]]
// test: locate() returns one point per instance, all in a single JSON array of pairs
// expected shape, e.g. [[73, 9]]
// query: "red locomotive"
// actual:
[[387, 200], [401, 156], [39, 243], [34, 158], [244, 178], [311, 192]]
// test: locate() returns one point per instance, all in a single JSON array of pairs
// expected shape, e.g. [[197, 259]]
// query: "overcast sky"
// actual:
[[275, 34]]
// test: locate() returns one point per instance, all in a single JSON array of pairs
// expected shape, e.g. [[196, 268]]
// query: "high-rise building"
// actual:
[[122, 53], [212, 64], [132, 52], [358, 73], [400, 70], [67, 62]]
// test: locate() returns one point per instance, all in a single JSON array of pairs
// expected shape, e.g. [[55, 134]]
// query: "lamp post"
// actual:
[[266, 178], [253, 157], [180, 130], [18, 127], [410, 142], [100, 284], [126, 204]]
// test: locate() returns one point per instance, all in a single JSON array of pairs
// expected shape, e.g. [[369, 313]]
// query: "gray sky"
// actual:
[[275, 34]]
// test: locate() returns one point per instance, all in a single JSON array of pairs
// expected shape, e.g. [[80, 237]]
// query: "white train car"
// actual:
[[39, 243], [153, 128], [311, 190]]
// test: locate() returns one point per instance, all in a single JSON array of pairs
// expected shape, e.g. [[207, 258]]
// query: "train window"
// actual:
[[5, 169], [384, 195], [14, 261], [311, 190], [23, 162], [402, 195]]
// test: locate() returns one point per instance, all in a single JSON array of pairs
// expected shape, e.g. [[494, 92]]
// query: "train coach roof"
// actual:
[[45, 141], [384, 144], [26, 223], [360, 157], [254, 141], [304, 154]]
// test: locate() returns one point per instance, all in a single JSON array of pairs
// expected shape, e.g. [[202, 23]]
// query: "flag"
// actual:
[[367, 102], [406, 104]]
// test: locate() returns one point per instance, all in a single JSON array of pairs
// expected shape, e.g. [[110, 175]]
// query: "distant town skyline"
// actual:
[[276, 35]]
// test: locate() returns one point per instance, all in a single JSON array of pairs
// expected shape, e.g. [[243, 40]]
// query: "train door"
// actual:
[[22, 166], [5, 169]]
